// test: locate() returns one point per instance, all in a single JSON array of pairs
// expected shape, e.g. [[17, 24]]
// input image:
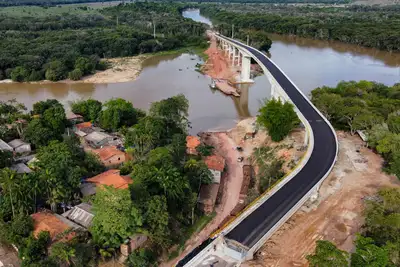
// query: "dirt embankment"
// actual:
[[336, 215]]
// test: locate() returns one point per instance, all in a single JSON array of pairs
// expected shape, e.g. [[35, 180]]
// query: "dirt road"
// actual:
[[225, 146], [337, 213]]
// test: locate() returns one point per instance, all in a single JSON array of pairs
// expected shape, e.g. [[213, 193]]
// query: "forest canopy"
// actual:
[[55, 47]]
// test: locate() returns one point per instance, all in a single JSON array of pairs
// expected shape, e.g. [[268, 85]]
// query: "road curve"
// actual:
[[251, 229], [322, 158]]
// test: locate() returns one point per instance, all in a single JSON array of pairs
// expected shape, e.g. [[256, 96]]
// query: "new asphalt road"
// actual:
[[261, 220]]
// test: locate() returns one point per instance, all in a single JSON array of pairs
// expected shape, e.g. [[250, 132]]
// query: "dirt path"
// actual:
[[336, 216], [217, 65], [225, 146]]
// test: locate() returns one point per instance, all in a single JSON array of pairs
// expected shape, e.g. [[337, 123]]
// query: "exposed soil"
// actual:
[[123, 69], [337, 213], [225, 144]]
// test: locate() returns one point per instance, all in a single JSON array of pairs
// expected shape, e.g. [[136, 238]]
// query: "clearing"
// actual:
[[337, 213]]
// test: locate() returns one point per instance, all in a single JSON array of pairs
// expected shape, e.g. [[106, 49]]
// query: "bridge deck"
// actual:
[[260, 221]]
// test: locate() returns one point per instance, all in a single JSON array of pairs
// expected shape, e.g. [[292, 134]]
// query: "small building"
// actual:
[[216, 165], [110, 156], [192, 142], [20, 168], [98, 139], [207, 197], [84, 127], [134, 242], [74, 118], [5, 147], [109, 178], [81, 214], [55, 224], [20, 146]]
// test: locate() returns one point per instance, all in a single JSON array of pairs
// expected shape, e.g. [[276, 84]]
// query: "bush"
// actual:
[[279, 118], [205, 150], [19, 74], [102, 65], [75, 75], [35, 76]]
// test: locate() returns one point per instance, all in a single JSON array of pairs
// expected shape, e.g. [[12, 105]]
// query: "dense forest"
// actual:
[[161, 203], [377, 27], [54, 47], [4, 3], [366, 106]]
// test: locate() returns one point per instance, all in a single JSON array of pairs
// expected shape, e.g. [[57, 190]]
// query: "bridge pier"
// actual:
[[246, 68]]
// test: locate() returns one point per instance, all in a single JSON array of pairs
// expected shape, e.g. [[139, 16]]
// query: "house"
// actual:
[[134, 242], [81, 214], [74, 118], [109, 178], [20, 168], [192, 142], [110, 156], [55, 224], [216, 165], [207, 197], [98, 139], [20, 146], [5, 147]]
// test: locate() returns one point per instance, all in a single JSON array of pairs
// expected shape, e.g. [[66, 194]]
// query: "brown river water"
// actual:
[[309, 63]]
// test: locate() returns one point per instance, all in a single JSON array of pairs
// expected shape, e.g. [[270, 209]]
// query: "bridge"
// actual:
[[237, 241]]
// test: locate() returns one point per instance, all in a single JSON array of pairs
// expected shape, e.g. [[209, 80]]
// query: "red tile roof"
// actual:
[[215, 162], [111, 178], [47, 221], [107, 152], [192, 141], [83, 125]]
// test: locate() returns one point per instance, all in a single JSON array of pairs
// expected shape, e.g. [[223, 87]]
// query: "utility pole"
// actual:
[[233, 28], [117, 20], [247, 39], [154, 29]]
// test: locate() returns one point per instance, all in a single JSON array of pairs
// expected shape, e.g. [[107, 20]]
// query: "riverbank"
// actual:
[[337, 214], [121, 69]]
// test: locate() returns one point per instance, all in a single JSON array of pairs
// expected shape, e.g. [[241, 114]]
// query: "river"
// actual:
[[309, 63]]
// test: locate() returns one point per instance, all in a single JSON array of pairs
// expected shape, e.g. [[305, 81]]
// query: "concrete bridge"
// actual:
[[237, 241]]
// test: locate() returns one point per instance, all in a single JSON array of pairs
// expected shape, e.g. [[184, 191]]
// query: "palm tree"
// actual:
[[7, 183]]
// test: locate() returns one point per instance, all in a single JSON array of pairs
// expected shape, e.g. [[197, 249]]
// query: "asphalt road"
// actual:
[[261, 220]]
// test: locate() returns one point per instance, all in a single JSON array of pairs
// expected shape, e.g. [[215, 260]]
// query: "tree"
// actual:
[[19, 74], [75, 74], [327, 255], [368, 254], [55, 71], [35, 249], [117, 113], [38, 134], [90, 109], [11, 110], [197, 173], [366, 120], [55, 118], [266, 45], [156, 218], [174, 112], [63, 252], [7, 178], [40, 107], [393, 122], [116, 218], [279, 118], [60, 170], [85, 65]]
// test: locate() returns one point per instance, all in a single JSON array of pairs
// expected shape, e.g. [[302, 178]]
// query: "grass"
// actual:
[[193, 229], [190, 49]]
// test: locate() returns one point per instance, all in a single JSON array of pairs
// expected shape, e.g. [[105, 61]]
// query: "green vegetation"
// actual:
[[365, 106], [161, 203], [45, 3], [278, 118], [379, 242], [362, 25], [37, 47]]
